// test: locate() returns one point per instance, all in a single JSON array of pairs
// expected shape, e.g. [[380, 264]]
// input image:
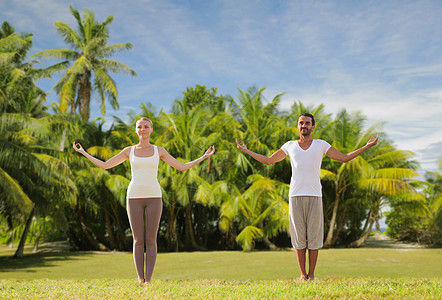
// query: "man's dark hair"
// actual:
[[309, 115]]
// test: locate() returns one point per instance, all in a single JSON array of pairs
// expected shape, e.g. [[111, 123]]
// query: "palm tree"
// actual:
[[364, 182], [260, 210], [18, 92], [103, 195], [418, 219], [385, 175], [87, 65], [29, 175], [30, 180], [98, 219]]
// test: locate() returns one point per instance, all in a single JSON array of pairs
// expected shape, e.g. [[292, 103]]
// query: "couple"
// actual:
[[144, 202]]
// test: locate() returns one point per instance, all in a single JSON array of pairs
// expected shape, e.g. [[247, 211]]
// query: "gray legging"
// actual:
[[144, 217]]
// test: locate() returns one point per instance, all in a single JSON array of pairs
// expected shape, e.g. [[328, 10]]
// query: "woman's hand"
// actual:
[[240, 145], [373, 141], [209, 151], [78, 147]]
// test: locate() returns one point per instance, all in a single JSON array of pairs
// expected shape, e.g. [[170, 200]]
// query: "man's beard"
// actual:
[[305, 132]]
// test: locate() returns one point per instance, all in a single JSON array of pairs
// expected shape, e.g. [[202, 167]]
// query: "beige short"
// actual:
[[306, 222]]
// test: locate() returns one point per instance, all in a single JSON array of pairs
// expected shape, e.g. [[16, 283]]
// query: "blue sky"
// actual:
[[383, 58]]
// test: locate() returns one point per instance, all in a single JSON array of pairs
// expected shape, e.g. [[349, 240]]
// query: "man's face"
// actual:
[[305, 126]]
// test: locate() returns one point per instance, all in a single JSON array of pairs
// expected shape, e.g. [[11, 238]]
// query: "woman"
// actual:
[[144, 202]]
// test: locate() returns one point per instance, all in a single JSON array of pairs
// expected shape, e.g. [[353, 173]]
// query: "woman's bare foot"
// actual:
[[146, 281], [140, 280]]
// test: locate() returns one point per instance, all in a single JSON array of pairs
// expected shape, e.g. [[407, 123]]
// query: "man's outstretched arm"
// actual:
[[274, 158], [335, 154]]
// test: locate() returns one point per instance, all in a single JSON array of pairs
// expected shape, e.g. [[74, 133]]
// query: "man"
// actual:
[[305, 196]]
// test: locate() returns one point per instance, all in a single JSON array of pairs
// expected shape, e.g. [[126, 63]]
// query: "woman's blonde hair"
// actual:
[[146, 119]]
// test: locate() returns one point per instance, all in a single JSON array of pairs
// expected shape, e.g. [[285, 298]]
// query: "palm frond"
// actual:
[[105, 81], [12, 193], [118, 186], [61, 53], [112, 49], [327, 175], [247, 236], [394, 173], [69, 35]]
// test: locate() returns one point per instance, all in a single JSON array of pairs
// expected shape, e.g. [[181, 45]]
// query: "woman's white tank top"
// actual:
[[144, 183]]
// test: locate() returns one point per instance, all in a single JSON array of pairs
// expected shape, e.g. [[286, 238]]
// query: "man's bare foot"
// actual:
[[146, 281], [140, 280], [310, 278], [303, 278]]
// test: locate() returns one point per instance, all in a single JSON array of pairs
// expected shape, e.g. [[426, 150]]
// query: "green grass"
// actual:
[[341, 273], [349, 288]]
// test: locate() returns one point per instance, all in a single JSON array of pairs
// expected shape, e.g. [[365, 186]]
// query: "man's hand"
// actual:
[[209, 151]]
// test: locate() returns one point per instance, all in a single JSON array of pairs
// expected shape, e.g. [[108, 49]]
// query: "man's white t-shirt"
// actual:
[[306, 167]]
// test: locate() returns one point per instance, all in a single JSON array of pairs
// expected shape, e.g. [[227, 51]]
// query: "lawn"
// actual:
[[342, 273]]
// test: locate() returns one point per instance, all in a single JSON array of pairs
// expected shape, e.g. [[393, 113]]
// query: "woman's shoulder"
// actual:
[[159, 148], [127, 150]]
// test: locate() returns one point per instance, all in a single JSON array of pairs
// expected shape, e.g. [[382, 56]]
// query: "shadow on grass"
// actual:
[[38, 260]]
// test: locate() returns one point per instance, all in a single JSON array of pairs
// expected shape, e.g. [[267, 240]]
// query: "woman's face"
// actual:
[[143, 128]]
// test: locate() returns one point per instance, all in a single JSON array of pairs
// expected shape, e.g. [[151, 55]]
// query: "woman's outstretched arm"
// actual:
[[173, 162], [274, 158], [112, 162]]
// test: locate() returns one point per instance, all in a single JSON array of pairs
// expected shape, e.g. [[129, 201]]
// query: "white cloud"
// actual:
[[429, 70]]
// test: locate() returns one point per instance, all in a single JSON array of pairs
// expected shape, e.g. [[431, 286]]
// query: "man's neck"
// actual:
[[305, 139]]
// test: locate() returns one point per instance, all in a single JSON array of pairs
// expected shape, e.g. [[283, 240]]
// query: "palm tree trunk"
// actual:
[[95, 244], [339, 225], [372, 217], [11, 240], [113, 243], [269, 244], [121, 236], [85, 91], [21, 246], [329, 240], [190, 242], [171, 234], [37, 240], [63, 140], [231, 237], [367, 221], [365, 234]]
